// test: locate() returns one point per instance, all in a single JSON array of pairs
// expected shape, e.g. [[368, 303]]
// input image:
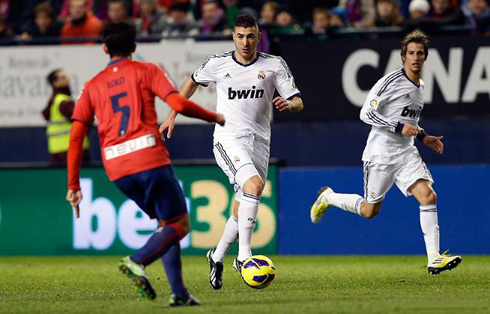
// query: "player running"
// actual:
[[393, 108], [245, 82], [122, 97]]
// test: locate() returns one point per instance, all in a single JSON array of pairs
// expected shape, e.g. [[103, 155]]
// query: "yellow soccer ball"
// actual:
[[258, 271]]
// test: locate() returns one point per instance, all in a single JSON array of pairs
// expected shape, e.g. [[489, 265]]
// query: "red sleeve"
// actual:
[[84, 111], [189, 108], [75, 153], [161, 84]]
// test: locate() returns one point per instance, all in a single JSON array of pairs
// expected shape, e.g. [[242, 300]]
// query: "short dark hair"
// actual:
[[44, 7], [179, 6], [120, 38], [52, 76], [246, 20], [118, 1], [417, 37]]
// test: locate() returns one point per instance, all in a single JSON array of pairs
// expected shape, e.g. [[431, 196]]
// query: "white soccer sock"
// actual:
[[430, 229], [230, 235], [247, 215], [348, 202]]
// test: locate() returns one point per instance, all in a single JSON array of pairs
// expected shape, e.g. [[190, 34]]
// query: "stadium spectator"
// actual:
[[152, 18], [479, 14], [117, 11], [303, 10], [418, 9], [232, 11], [360, 13], [179, 22], [443, 13], [4, 8], [268, 13], [82, 22], [44, 24], [58, 114], [285, 21], [336, 17], [5, 32], [321, 21], [14, 13], [62, 10], [387, 14], [213, 18]]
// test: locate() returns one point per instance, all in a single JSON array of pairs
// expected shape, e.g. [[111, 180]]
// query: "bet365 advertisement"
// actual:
[[36, 220]]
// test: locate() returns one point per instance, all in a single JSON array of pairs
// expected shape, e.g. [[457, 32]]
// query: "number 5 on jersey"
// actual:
[[124, 109]]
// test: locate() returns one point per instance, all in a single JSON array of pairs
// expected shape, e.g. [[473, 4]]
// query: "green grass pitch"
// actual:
[[395, 284]]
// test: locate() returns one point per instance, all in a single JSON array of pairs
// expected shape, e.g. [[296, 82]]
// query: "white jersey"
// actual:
[[245, 91], [394, 100]]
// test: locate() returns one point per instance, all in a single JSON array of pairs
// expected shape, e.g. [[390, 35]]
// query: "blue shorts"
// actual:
[[156, 191]]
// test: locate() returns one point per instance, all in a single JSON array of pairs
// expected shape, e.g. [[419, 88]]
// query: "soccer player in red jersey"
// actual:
[[122, 97]]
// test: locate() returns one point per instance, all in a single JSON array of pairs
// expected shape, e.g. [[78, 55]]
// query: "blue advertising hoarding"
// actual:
[[463, 206]]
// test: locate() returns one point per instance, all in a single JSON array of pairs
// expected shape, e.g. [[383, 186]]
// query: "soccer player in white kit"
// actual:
[[245, 82], [390, 157]]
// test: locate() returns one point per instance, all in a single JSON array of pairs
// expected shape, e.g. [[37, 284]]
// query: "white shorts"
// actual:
[[241, 157], [379, 178]]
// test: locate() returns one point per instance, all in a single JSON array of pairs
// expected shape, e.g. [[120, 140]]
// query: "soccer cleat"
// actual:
[[215, 271], [238, 267], [319, 208], [443, 262], [178, 301], [137, 274]]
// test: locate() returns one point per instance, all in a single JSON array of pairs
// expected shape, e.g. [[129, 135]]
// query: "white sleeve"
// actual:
[[284, 81], [377, 98], [205, 74]]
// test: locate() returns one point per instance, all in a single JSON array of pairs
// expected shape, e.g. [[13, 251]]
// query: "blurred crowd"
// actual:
[[27, 19]]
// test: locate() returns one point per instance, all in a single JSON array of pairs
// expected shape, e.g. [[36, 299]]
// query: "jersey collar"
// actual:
[[117, 60], [244, 64], [403, 70]]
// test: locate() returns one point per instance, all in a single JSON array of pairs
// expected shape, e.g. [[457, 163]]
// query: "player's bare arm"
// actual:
[[75, 152], [294, 105], [187, 91]]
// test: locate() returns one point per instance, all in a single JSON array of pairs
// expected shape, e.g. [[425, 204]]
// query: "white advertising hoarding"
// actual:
[[24, 91]]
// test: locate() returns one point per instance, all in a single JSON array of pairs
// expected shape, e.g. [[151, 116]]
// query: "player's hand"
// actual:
[[434, 143], [410, 130], [220, 119], [74, 197], [281, 103], [169, 124]]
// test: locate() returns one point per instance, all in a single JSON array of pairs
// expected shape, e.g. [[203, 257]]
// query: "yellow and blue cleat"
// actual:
[[444, 262], [320, 207], [137, 274]]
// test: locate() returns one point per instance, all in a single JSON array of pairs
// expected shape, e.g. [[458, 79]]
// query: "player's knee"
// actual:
[[429, 198], [369, 211], [254, 186], [186, 227], [182, 226], [369, 214]]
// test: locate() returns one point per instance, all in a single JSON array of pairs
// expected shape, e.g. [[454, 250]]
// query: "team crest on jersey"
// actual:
[[374, 103], [261, 75]]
